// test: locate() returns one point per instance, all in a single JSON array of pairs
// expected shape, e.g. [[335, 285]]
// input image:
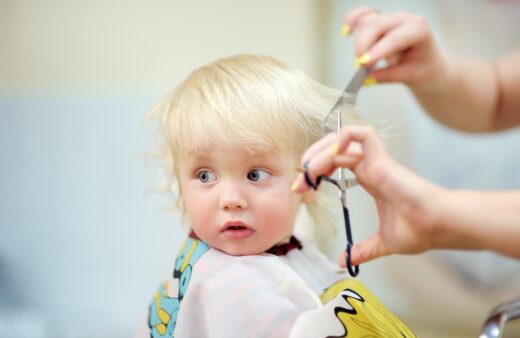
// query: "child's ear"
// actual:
[[309, 196]]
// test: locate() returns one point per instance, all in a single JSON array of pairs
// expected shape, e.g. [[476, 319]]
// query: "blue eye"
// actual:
[[205, 176], [258, 175]]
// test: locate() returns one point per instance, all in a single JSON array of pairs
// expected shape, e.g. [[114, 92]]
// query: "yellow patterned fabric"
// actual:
[[350, 310]]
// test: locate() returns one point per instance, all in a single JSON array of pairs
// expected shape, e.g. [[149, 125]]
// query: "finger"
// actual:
[[365, 135], [354, 16], [324, 164], [342, 259], [393, 59], [321, 158], [372, 29], [329, 159], [299, 185], [367, 250], [325, 143], [364, 251], [411, 32], [348, 161], [398, 73]]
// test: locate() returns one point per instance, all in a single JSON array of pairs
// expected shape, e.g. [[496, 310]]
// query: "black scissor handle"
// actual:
[[308, 180], [353, 270]]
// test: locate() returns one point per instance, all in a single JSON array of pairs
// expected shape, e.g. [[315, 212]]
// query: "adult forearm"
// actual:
[[475, 220], [464, 96]]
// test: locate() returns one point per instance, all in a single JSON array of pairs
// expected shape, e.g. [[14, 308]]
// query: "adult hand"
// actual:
[[403, 39], [404, 201]]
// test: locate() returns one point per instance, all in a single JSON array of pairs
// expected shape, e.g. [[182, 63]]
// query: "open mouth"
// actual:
[[236, 227], [237, 230]]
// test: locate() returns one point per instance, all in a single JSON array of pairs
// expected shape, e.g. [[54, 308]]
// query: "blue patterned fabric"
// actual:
[[164, 309]]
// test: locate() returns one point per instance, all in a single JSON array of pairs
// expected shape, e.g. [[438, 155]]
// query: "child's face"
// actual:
[[237, 203]]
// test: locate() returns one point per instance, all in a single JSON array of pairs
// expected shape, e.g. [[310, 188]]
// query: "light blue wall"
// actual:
[[78, 216]]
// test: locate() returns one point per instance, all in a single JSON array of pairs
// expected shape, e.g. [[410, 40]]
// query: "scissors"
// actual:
[[331, 123]]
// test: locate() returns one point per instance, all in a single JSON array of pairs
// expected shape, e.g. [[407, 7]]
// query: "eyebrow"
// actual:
[[203, 154], [196, 152]]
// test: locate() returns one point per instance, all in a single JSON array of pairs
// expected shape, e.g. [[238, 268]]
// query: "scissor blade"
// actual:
[[356, 82], [330, 123]]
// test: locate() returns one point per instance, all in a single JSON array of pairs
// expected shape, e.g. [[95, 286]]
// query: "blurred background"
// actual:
[[85, 238]]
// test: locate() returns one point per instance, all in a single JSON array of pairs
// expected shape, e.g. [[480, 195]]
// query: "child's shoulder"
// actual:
[[197, 258], [206, 280]]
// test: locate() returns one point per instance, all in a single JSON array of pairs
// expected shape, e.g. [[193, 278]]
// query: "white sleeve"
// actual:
[[249, 296]]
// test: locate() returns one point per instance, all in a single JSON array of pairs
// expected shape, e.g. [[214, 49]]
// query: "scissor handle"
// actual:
[[308, 180], [353, 270]]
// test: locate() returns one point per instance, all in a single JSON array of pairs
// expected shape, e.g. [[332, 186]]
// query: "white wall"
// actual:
[[125, 45], [84, 242]]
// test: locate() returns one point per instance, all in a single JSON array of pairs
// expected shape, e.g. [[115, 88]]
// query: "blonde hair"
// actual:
[[252, 102]]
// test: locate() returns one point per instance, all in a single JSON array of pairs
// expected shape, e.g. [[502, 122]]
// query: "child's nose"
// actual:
[[233, 198]]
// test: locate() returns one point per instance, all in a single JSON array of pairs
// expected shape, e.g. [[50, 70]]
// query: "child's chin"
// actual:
[[242, 251]]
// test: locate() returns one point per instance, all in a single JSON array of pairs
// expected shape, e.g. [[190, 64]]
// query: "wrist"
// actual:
[[452, 231], [439, 76], [421, 203], [440, 203]]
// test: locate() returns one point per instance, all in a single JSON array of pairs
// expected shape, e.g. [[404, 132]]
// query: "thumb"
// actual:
[[341, 260], [367, 250], [396, 73]]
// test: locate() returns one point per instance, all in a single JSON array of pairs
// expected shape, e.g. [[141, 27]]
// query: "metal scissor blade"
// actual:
[[333, 123], [330, 123], [357, 82]]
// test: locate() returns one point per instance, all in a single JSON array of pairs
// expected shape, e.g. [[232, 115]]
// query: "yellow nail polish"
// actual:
[[369, 81], [294, 186], [362, 60], [334, 149], [345, 30]]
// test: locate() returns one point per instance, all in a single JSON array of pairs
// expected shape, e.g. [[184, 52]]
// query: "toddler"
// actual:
[[234, 132]]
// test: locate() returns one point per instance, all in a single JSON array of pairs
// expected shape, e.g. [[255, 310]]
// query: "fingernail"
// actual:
[[362, 60], [369, 81], [345, 30], [294, 186], [334, 148]]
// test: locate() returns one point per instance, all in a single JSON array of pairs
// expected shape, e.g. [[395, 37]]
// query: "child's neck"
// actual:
[[278, 249]]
